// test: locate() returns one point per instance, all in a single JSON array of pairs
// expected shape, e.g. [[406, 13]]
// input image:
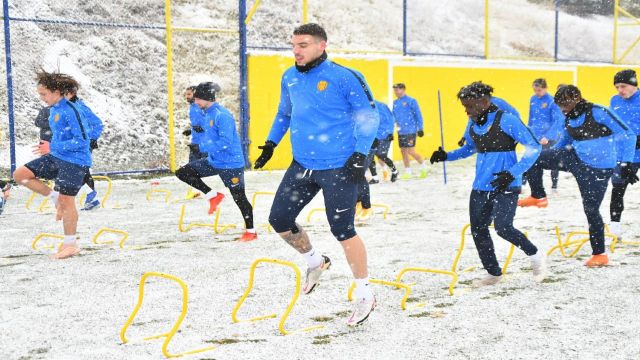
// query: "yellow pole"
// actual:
[[615, 29], [172, 145], [486, 29], [305, 11]]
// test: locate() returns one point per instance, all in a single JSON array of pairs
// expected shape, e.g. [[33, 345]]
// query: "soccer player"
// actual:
[[494, 134], [409, 119], [196, 118], [627, 106], [66, 159], [333, 120], [384, 137], [224, 157]]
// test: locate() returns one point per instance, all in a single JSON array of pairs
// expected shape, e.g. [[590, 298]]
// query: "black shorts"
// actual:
[[407, 141]]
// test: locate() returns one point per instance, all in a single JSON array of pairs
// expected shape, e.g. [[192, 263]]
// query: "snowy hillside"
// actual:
[[123, 71]]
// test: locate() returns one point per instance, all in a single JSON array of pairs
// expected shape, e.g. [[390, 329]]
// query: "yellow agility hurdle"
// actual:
[[296, 294], [253, 205], [578, 243], [217, 228], [403, 302], [34, 243], [616, 240], [167, 194], [124, 235], [168, 335], [453, 273], [27, 205], [106, 193], [385, 209]]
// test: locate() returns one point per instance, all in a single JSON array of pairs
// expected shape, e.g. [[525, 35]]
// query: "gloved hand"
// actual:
[[267, 153], [93, 144], [462, 141], [502, 180], [355, 166], [194, 147], [420, 133], [438, 155], [375, 144], [198, 129], [627, 174], [390, 137], [186, 132]]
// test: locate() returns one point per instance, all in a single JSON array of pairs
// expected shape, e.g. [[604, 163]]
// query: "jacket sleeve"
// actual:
[[79, 140], [624, 137], [95, 124], [515, 128], [417, 114], [389, 120], [468, 149], [364, 112], [283, 118]]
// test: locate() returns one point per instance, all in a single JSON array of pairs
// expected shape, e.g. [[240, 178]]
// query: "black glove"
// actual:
[[93, 144], [375, 144], [462, 141], [627, 174], [438, 155], [502, 180], [267, 153], [420, 133], [198, 129], [390, 137], [186, 132], [194, 147], [355, 166]]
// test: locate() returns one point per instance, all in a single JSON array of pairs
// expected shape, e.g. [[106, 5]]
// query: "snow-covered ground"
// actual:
[[74, 309]]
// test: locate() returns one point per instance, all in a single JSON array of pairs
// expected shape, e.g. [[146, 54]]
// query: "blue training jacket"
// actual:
[[331, 114], [386, 121], [629, 112], [489, 163], [95, 124], [407, 115], [220, 140], [196, 117], [70, 138], [545, 118], [505, 106], [600, 153]]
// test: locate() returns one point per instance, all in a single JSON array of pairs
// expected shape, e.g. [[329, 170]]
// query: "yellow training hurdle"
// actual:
[[124, 235], [296, 294], [168, 335], [34, 243], [403, 302], [578, 243], [167, 194], [106, 195], [253, 205], [217, 228]]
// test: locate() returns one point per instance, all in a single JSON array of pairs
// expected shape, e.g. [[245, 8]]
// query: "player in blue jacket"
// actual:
[[503, 105], [94, 132], [408, 117], [384, 136], [627, 106], [547, 123], [66, 159], [196, 119], [224, 157], [493, 134], [587, 149], [333, 121]]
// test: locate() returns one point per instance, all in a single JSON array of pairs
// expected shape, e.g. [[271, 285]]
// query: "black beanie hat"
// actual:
[[627, 76], [206, 91]]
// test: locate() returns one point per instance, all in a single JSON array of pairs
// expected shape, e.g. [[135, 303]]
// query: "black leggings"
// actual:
[[188, 175], [617, 201], [385, 159], [88, 179]]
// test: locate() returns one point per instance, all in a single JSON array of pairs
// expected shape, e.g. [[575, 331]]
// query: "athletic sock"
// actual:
[[253, 231], [69, 239], [375, 177], [211, 194], [86, 188], [313, 258], [53, 196], [362, 290]]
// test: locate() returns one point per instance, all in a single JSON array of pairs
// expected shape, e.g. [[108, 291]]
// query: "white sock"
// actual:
[[375, 177], [253, 231], [211, 194], [423, 165], [363, 291], [407, 171], [69, 240], [313, 258], [86, 188]]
